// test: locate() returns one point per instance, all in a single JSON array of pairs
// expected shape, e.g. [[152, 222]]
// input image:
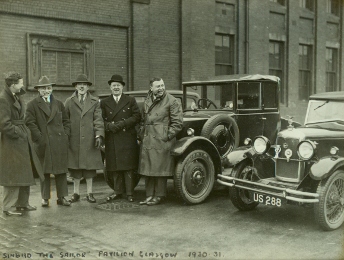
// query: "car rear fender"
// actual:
[[325, 167], [184, 145]]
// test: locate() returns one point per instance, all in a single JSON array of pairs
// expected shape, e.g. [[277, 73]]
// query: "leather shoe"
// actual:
[[75, 197], [11, 213], [90, 198], [146, 200], [45, 203], [114, 197], [63, 202], [154, 201], [27, 208], [130, 198]]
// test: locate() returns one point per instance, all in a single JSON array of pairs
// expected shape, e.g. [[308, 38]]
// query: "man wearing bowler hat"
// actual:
[[87, 133], [121, 114], [50, 128]]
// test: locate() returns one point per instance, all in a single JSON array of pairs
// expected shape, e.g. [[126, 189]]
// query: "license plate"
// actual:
[[267, 199]]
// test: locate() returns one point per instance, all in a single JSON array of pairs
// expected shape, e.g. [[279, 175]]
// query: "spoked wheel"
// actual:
[[241, 199], [194, 177], [329, 212]]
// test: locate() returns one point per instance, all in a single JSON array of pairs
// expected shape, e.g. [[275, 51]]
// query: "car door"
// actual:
[[250, 117]]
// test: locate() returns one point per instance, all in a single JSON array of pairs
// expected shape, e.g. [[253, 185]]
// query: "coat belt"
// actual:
[[18, 122]]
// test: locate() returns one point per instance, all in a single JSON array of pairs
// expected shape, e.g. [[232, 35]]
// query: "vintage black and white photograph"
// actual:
[[172, 129]]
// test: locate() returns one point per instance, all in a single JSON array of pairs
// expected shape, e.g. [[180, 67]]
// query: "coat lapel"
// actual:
[[110, 102], [76, 100], [54, 108], [88, 103], [43, 106]]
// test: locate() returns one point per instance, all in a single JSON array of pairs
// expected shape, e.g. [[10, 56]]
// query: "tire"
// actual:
[[240, 198], [223, 132], [109, 178], [329, 212], [194, 177]]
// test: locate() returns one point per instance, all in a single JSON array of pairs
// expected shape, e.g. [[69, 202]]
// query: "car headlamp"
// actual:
[[306, 150], [261, 144], [190, 132], [334, 150]]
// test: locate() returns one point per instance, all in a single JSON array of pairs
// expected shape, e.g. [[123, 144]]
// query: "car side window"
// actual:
[[270, 95], [249, 95]]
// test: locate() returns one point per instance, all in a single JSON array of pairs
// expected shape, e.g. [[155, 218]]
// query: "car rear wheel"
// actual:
[[223, 132], [194, 177], [242, 199], [329, 212]]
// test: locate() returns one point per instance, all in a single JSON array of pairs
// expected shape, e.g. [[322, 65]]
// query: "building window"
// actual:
[[223, 54], [281, 2], [307, 4], [59, 58], [333, 7], [305, 71], [331, 69], [276, 61]]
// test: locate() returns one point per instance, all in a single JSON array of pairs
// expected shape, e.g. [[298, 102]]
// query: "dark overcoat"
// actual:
[[18, 160], [163, 120], [121, 148], [50, 128], [86, 123]]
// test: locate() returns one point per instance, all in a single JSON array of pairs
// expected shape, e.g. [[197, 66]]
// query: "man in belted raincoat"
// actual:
[[162, 121]]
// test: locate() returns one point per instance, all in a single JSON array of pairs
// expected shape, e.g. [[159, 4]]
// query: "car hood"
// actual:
[[304, 132]]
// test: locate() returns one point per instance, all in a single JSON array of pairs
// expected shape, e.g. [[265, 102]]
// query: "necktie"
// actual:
[[116, 99], [81, 98], [46, 99]]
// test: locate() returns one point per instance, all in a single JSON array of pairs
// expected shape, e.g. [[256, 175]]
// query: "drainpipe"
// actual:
[[247, 35]]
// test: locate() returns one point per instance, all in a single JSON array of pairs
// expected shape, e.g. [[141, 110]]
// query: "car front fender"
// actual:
[[238, 155], [325, 167], [198, 142]]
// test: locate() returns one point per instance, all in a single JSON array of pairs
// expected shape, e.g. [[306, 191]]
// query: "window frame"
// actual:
[[231, 54], [274, 70], [334, 71], [306, 71]]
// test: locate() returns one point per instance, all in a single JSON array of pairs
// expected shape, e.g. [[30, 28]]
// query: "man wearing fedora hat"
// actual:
[[18, 160], [87, 133], [50, 127], [121, 114]]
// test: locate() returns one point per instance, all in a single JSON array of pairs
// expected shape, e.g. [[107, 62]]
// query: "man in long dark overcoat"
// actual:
[[18, 160], [121, 114], [162, 121], [86, 136], [50, 127]]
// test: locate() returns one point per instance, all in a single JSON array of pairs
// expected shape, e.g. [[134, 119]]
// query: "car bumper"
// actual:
[[282, 192]]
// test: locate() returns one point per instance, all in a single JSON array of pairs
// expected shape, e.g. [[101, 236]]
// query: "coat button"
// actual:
[[59, 133]]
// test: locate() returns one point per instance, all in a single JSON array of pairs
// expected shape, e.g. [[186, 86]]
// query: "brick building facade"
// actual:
[[179, 40]]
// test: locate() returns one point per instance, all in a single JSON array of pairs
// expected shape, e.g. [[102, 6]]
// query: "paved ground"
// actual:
[[122, 230]]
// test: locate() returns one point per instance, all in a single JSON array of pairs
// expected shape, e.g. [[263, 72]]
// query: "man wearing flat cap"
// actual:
[[50, 127], [87, 133], [121, 114]]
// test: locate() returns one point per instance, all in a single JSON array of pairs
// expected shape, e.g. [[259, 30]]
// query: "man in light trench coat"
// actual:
[[18, 159], [47, 119], [162, 121], [87, 133]]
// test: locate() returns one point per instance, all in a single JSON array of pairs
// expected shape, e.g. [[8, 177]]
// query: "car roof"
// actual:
[[234, 78], [334, 95]]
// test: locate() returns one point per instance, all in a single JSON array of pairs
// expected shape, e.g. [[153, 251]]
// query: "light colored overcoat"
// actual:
[[163, 119], [18, 160], [86, 123], [50, 128]]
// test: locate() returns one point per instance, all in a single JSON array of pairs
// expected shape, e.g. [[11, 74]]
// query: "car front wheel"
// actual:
[[329, 212], [194, 177], [240, 198]]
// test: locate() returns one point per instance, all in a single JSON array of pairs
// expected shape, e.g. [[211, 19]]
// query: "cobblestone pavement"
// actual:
[[123, 230]]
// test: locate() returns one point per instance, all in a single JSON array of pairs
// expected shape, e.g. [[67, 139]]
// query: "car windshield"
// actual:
[[324, 111], [219, 96]]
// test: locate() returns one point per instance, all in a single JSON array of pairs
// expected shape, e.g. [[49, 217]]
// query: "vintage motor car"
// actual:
[[229, 108], [305, 166]]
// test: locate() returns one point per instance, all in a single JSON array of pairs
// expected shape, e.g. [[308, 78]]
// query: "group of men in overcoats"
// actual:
[[51, 133]]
